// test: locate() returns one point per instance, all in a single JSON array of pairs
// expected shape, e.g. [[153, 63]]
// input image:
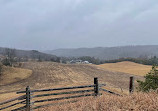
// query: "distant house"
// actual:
[[72, 62], [75, 61], [85, 62], [79, 62]]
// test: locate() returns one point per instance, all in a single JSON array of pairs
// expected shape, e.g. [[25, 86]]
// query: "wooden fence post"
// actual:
[[28, 99], [131, 84], [96, 87]]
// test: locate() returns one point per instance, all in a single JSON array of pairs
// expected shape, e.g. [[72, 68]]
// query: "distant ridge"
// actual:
[[30, 54], [108, 53]]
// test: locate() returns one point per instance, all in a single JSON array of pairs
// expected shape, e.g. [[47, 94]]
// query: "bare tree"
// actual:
[[10, 57]]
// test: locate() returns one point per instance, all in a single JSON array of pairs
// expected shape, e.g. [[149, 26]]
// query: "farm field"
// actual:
[[49, 74], [43, 75], [127, 67]]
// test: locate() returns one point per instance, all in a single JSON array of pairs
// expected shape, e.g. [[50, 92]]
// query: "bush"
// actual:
[[6, 62], [151, 81]]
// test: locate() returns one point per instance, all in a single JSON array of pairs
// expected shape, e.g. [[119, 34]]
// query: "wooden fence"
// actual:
[[21, 100], [26, 101]]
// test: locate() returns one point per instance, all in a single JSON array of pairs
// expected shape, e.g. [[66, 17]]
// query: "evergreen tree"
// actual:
[[151, 81]]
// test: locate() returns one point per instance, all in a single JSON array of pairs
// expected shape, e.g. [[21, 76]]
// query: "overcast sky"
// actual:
[[52, 24]]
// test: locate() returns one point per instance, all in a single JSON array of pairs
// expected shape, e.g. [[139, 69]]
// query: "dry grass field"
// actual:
[[43, 75], [11, 75], [127, 67], [134, 102], [49, 74]]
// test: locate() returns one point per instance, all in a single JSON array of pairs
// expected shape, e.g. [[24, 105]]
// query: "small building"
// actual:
[[85, 62], [79, 62], [75, 61]]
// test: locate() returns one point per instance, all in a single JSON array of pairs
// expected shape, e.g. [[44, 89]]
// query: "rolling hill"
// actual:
[[127, 67], [50, 74], [109, 53], [11, 75], [45, 75]]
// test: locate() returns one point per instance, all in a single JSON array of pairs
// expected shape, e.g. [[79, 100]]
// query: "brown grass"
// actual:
[[134, 102], [11, 75], [51, 75], [127, 67]]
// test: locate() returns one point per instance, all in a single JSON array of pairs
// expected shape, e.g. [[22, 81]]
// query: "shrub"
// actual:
[[6, 62], [151, 81]]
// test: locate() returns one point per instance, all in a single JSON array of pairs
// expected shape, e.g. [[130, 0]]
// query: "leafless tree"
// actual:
[[10, 56]]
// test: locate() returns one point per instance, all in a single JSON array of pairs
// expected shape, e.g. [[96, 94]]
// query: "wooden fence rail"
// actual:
[[71, 92], [12, 105], [109, 92], [54, 99], [29, 104], [63, 88], [11, 100]]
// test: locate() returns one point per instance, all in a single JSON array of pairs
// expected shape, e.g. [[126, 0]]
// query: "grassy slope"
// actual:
[[127, 67], [11, 75], [49, 75]]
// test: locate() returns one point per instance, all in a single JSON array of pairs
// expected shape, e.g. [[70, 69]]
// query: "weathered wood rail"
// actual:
[[21, 100], [28, 103]]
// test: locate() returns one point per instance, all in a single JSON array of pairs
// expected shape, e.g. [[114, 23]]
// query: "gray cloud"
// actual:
[[50, 24]]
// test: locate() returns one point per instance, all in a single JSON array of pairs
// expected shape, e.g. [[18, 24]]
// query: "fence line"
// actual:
[[69, 97], [71, 92], [29, 95], [13, 105], [109, 92], [52, 104], [55, 89], [11, 100], [23, 108]]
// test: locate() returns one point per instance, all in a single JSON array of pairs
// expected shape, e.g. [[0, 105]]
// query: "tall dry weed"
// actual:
[[133, 102]]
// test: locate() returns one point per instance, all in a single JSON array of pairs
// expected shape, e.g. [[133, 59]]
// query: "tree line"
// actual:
[[11, 57], [146, 61]]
